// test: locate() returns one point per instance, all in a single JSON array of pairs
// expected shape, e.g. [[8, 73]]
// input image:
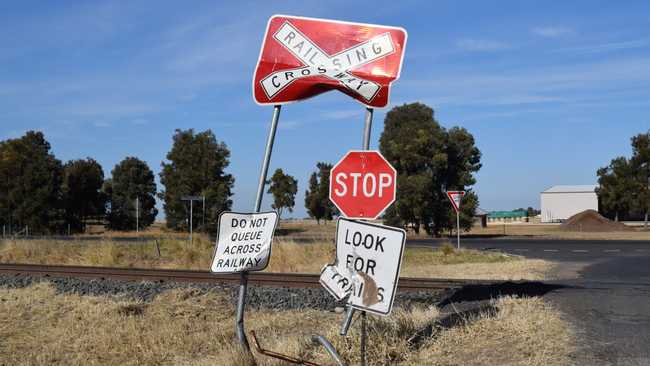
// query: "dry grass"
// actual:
[[523, 269], [174, 253], [287, 256], [523, 332], [185, 327], [155, 230]]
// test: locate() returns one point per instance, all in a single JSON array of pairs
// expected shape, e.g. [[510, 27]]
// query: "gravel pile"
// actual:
[[592, 221], [276, 298]]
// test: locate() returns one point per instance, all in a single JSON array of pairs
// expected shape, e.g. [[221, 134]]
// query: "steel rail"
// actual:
[[294, 280]]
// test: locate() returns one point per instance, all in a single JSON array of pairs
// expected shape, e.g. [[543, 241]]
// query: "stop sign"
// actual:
[[362, 184]]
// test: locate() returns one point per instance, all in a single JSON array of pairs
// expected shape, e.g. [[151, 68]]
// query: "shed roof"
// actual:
[[507, 214], [480, 212], [586, 188]]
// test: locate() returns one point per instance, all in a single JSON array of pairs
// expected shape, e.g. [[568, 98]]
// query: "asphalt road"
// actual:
[[608, 304], [551, 249]]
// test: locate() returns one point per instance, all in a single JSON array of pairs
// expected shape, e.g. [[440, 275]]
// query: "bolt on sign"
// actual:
[[243, 241], [368, 261], [455, 198], [363, 184], [303, 57]]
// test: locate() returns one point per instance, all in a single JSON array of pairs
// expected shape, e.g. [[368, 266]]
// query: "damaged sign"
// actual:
[[243, 241], [368, 260]]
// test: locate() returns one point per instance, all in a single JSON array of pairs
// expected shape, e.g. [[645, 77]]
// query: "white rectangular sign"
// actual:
[[368, 260], [243, 241]]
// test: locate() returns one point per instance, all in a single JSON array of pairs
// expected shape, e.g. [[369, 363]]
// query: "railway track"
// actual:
[[295, 280]]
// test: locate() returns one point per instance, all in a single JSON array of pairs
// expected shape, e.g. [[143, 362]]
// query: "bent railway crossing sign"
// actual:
[[244, 241], [304, 57]]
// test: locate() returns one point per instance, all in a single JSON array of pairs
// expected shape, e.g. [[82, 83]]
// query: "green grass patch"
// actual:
[[447, 254]]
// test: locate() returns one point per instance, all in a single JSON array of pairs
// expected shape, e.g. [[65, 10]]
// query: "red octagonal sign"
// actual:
[[363, 184], [304, 57]]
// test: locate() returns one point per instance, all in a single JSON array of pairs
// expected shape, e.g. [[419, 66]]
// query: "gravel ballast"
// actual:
[[276, 298]]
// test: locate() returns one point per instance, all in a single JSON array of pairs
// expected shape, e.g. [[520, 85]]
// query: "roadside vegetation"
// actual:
[[624, 184], [286, 256], [188, 327], [308, 229]]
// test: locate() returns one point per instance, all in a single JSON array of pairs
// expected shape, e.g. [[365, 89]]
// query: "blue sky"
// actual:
[[550, 90]]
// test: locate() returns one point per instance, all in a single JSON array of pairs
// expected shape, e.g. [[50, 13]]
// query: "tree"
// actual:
[[131, 180], [283, 187], [640, 162], [530, 211], [196, 167], [30, 184], [82, 192], [317, 199], [625, 183], [429, 161], [616, 185], [468, 205]]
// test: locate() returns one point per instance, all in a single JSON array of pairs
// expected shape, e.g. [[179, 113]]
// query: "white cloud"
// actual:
[[605, 83], [101, 124], [344, 114], [140, 121], [289, 125], [469, 44], [552, 31], [607, 47], [106, 109]]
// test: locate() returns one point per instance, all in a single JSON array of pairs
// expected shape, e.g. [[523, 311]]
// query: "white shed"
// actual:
[[558, 203]]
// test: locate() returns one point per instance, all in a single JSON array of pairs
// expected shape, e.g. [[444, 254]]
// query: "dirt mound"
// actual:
[[592, 221]]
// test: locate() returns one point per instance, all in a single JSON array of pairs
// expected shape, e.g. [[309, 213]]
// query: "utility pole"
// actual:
[[458, 230], [647, 195], [192, 199], [137, 215]]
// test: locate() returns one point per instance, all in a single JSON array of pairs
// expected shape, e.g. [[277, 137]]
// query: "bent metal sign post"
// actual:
[[244, 241], [301, 58], [304, 57]]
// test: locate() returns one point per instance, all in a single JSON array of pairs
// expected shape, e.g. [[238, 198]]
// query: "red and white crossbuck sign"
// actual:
[[304, 57], [455, 197]]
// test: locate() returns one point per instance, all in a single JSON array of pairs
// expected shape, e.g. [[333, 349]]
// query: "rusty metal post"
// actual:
[[241, 308], [328, 347], [347, 321], [366, 146], [367, 129], [363, 338], [243, 282]]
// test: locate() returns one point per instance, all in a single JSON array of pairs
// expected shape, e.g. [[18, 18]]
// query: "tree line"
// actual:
[[624, 184], [40, 192], [430, 160]]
